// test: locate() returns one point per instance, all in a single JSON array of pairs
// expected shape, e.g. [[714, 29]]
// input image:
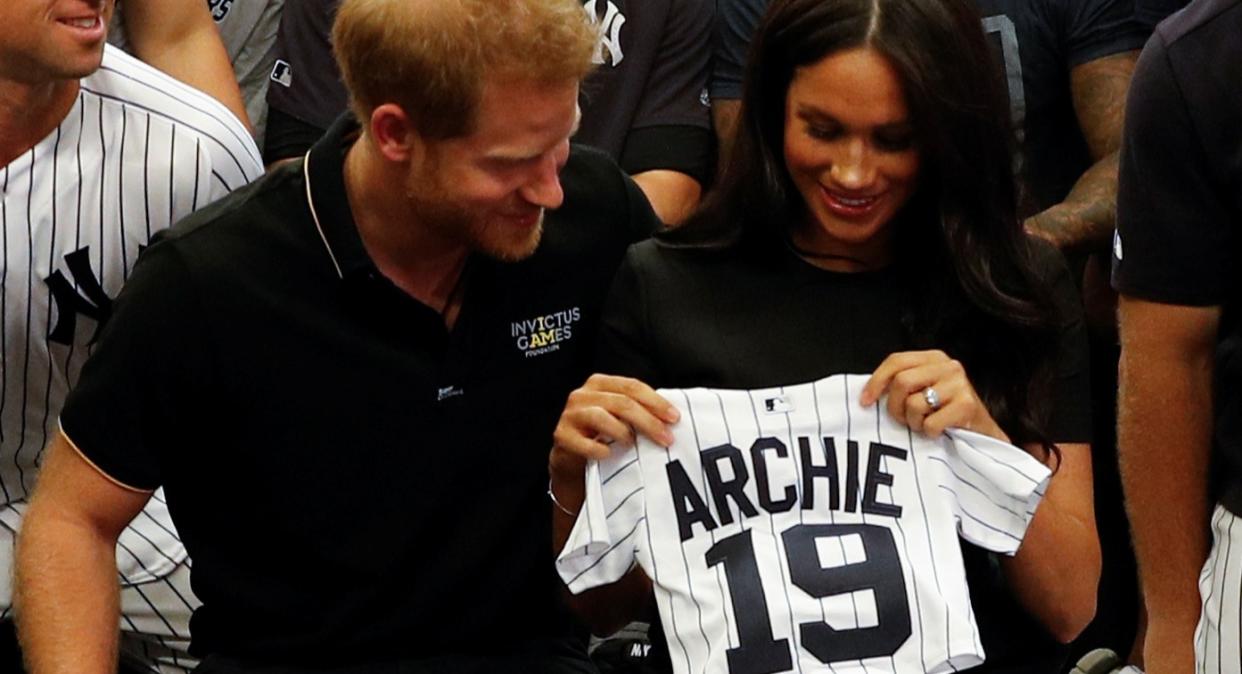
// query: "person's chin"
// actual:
[[515, 246]]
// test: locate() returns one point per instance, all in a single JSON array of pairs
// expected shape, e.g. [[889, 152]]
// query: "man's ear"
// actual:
[[394, 134]]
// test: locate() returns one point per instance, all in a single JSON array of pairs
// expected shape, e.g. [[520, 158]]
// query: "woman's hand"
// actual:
[[914, 380], [605, 408]]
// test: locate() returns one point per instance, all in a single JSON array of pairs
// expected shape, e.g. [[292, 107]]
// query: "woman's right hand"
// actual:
[[604, 409]]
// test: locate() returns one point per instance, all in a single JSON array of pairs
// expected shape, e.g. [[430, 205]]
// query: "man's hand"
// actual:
[[1087, 216]]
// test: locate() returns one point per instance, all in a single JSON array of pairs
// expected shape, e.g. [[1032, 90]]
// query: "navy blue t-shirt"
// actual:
[[645, 105], [1040, 42]]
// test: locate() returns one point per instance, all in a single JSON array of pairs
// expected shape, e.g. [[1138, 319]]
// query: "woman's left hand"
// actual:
[[914, 380]]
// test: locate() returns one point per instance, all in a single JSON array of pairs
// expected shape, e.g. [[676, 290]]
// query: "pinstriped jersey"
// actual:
[[137, 151], [792, 530]]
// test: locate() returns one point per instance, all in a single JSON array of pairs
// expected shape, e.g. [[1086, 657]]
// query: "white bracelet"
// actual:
[[558, 503]]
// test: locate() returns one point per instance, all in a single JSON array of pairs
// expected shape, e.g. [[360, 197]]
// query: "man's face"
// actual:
[[488, 190], [44, 40]]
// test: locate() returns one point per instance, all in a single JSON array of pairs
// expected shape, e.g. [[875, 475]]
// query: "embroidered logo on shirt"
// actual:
[[610, 52], [84, 296], [282, 73], [544, 334], [777, 405], [446, 392]]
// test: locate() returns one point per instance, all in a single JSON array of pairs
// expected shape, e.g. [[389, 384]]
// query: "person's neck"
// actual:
[[28, 113], [415, 258], [809, 243]]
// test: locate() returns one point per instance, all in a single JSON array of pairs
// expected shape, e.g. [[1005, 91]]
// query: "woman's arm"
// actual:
[[1057, 570], [604, 407]]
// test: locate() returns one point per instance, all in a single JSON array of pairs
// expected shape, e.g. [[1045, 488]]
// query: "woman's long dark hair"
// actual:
[[960, 247]]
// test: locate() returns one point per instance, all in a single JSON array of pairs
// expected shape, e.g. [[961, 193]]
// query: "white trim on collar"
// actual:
[[310, 201]]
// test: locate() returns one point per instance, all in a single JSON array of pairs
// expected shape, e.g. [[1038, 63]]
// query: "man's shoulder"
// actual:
[[254, 219], [602, 213], [147, 92], [596, 189], [1222, 16], [1193, 57], [587, 171]]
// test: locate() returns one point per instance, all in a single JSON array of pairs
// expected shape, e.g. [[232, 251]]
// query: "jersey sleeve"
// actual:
[[147, 375], [1174, 241], [672, 125], [995, 488], [1098, 28], [602, 546]]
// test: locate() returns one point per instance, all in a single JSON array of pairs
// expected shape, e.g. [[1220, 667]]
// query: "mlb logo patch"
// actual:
[[282, 73], [777, 405]]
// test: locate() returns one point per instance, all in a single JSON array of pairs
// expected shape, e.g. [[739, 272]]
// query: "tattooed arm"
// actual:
[[1086, 218]]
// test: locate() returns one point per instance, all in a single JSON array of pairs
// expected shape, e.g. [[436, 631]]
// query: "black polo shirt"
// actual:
[[351, 479]]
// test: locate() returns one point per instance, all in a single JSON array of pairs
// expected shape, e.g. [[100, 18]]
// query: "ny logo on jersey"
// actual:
[[610, 52], [96, 304], [219, 9]]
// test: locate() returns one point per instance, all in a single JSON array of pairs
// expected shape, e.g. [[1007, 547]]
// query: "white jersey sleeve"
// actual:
[[995, 488], [602, 545]]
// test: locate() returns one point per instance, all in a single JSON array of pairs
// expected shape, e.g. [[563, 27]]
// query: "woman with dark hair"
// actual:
[[866, 223]]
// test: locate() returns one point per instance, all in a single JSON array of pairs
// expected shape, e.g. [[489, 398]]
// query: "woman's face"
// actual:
[[849, 147]]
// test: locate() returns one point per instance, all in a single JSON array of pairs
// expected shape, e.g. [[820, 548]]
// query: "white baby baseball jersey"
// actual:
[[792, 530]]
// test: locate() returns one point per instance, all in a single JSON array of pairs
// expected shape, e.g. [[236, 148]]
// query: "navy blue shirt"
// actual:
[[646, 103]]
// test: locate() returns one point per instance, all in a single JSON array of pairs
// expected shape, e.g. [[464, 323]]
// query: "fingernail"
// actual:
[[666, 438], [672, 415]]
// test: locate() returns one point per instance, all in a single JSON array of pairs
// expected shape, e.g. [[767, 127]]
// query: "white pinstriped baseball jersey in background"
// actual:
[[792, 530], [137, 152]]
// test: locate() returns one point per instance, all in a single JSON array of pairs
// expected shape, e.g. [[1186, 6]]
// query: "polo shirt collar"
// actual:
[[324, 168]]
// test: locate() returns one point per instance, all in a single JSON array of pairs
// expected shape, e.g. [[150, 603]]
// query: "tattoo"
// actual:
[[1099, 92], [1086, 218]]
